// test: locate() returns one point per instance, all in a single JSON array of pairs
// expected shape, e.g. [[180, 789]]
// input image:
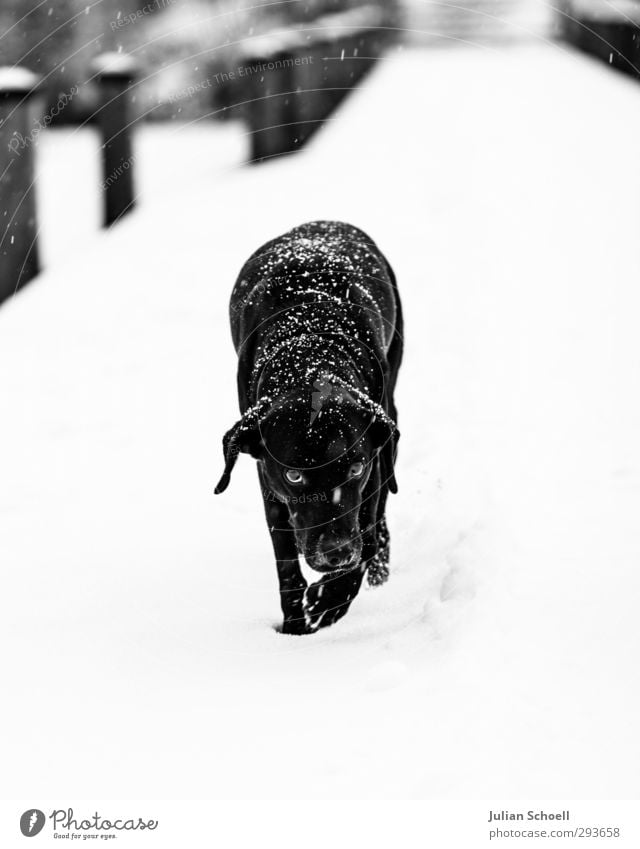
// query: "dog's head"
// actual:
[[317, 459]]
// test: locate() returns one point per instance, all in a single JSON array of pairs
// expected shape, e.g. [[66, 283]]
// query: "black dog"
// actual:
[[317, 325]]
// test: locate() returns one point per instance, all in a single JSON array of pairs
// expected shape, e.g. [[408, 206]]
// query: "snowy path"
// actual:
[[168, 159], [501, 659]]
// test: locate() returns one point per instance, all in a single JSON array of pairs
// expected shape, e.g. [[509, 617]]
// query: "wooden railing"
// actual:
[[288, 83], [291, 83], [18, 223], [605, 30]]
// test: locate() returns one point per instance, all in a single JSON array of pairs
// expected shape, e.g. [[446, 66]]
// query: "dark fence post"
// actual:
[[115, 74], [604, 31], [18, 226], [312, 102], [268, 94]]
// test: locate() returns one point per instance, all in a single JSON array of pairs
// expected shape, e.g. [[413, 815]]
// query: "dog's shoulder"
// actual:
[[331, 265]]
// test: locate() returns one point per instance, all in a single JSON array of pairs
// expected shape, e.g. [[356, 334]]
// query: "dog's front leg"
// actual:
[[290, 578], [375, 534], [328, 600]]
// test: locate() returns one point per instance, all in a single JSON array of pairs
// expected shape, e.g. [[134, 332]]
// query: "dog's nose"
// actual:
[[336, 554]]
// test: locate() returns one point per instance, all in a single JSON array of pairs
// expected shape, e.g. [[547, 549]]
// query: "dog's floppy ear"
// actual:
[[244, 437], [384, 431], [386, 435]]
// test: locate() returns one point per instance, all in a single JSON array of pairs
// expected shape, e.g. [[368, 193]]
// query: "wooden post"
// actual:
[[604, 32], [268, 68], [18, 226], [312, 101], [115, 74]]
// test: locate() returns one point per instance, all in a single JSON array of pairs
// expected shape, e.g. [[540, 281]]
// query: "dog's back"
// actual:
[[322, 279]]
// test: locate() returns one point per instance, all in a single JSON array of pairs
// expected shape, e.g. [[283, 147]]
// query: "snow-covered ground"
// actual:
[[170, 159], [500, 661]]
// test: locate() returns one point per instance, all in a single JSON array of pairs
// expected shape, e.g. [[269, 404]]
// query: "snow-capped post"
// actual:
[[115, 74], [18, 226], [310, 99], [267, 69]]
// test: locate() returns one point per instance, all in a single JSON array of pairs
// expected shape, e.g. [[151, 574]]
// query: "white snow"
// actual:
[[114, 63], [16, 79], [170, 159], [137, 608]]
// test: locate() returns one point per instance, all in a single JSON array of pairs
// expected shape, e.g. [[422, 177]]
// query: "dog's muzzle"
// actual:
[[334, 554]]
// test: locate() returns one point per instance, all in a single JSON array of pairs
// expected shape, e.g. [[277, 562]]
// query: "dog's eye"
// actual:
[[356, 470], [293, 476]]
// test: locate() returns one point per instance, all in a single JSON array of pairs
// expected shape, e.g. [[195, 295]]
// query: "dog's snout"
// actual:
[[335, 553]]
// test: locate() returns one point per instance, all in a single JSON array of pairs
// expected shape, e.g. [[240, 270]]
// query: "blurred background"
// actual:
[[202, 66], [175, 41]]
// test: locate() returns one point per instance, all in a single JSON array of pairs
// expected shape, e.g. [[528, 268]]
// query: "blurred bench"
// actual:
[[606, 29], [287, 84]]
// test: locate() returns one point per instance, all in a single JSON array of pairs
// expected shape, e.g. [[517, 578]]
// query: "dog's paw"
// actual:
[[295, 627], [326, 601], [313, 606]]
